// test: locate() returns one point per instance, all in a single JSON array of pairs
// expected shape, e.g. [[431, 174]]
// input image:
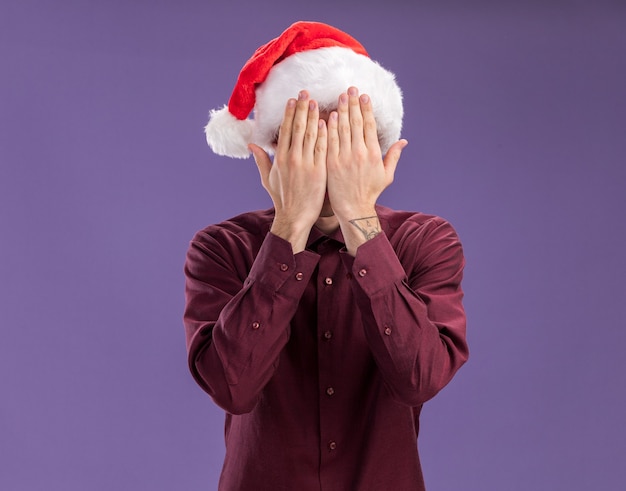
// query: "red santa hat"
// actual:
[[308, 55]]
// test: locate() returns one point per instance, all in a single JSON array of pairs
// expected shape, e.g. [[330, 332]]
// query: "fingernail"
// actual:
[[333, 116], [365, 99], [302, 95], [291, 102], [343, 99], [353, 91], [321, 123], [312, 105]]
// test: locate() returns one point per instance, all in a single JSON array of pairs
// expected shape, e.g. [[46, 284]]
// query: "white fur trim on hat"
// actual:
[[326, 73]]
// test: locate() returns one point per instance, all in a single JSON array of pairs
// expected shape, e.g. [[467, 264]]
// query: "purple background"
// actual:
[[516, 118]]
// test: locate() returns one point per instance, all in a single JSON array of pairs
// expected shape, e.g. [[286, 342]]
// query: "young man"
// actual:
[[322, 325]]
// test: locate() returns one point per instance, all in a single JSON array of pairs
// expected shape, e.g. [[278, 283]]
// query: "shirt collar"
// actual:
[[316, 237]]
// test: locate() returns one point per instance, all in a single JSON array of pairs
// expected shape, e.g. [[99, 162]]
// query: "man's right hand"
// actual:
[[296, 181]]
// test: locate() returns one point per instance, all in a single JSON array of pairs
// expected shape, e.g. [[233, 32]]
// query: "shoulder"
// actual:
[[247, 229], [230, 245], [398, 224], [421, 239]]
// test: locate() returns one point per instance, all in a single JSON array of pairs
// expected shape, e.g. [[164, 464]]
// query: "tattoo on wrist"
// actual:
[[368, 226]]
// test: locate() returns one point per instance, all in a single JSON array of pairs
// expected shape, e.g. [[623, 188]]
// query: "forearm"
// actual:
[[417, 340], [358, 227], [236, 340]]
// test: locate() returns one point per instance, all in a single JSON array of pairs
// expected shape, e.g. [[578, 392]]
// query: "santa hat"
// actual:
[[308, 55]]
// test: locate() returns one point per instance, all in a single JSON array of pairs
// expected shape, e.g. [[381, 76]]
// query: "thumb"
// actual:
[[263, 162], [392, 157]]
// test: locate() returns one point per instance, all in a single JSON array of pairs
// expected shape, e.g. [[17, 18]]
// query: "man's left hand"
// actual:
[[357, 171]]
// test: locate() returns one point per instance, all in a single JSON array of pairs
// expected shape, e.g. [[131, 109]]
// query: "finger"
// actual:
[[343, 125], [356, 119], [310, 135], [263, 163], [392, 157], [284, 132], [370, 132], [321, 145], [333, 137], [299, 126]]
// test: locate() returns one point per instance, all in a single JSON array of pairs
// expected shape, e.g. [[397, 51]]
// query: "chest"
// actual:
[[327, 332]]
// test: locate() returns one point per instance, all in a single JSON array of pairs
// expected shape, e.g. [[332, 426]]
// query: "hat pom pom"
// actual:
[[227, 135]]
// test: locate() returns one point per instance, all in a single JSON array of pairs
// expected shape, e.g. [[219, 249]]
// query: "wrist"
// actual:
[[294, 233], [356, 231], [356, 213]]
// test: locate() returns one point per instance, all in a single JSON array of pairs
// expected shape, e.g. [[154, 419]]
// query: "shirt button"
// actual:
[[328, 335], [388, 330], [255, 325], [284, 267], [362, 272], [328, 281], [330, 391], [332, 445], [299, 276]]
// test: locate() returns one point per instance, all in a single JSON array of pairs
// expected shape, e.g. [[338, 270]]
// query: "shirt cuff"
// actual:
[[276, 265], [375, 265]]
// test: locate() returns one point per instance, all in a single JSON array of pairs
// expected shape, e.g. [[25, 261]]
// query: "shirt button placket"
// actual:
[[329, 279]]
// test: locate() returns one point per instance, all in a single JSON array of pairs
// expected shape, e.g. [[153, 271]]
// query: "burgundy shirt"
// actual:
[[321, 360]]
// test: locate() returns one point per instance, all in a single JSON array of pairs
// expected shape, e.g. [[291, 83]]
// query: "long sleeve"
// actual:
[[411, 307], [237, 322]]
